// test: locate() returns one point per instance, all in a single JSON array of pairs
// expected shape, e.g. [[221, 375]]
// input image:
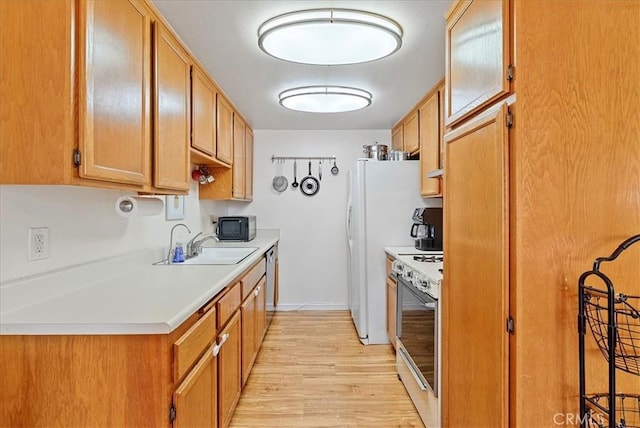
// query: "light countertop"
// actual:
[[122, 295]]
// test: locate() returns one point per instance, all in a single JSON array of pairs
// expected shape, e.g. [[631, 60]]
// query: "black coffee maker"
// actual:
[[427, 229]]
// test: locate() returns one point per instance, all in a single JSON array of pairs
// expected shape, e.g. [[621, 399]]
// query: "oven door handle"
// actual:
[[409, 365]]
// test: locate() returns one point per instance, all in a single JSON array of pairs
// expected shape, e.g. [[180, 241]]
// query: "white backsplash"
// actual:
[[83, 226]]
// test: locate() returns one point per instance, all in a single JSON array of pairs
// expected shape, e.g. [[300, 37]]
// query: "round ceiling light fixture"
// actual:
[[330, 36], [325, 99]]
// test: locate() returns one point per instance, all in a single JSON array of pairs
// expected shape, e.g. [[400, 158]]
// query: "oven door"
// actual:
[[417, 330]]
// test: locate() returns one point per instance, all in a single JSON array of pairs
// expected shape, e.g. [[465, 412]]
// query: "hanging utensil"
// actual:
[[334, 168], [320, 170], [295, 174], [280, 182], [309, 185]]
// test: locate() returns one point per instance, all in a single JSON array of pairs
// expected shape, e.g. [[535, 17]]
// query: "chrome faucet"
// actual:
[[170, 253], [195, 247]]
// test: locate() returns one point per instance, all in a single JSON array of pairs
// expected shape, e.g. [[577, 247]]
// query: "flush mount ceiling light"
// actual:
[[325, 99], [330, 36]]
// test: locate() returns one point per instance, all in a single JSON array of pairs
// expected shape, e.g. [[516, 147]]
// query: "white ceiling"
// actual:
[[222, 34]]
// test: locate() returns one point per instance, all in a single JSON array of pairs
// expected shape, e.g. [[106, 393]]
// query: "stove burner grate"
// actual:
[[428, 259]]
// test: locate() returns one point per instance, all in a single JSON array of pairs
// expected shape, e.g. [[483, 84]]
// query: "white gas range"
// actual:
[[423, 269], [418, 327]]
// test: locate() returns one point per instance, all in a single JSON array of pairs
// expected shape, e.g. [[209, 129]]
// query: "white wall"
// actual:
[[313, 246], [83, 226], [313, 251]]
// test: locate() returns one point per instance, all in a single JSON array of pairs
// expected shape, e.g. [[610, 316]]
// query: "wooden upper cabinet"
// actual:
[[239, 131], [203, 121], [477, 56], [441, 124], [411, 130], [397, 137], [235, 183], [37, 128], [172, 112], [430, 144], [248, 176], [224, 128], [115, 91]]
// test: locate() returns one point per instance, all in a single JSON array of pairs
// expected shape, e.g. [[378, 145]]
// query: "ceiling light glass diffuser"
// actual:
[[330, 36], [325, 99]]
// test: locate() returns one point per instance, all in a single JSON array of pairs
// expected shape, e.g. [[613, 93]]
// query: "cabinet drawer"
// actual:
[[228, 304], [188, 348], [252, 277]]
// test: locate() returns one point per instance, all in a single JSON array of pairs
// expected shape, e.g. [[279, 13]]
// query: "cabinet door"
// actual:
[[114, 93], [248, 185], [239, 130], [261, 312], [229, 369], [37, 91], [195, 399], [224, 129], [172, 112], [475, 295], [203, 121], [396, 138], [248, 312], [410, 130], [477, 56], [429, 144], [392, 298]]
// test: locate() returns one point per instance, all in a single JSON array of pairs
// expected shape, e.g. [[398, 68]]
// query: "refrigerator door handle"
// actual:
[[349, 208]]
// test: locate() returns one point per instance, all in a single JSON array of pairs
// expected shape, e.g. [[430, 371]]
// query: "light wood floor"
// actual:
[[312, 371]]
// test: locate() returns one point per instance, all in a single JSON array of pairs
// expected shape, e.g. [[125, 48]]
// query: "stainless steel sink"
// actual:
[[217, 256]]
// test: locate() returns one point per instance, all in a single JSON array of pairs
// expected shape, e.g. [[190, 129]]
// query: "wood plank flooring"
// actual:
[[312, 371]]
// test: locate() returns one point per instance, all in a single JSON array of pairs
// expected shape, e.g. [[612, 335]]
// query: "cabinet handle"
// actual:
[[257, 291], [216, 348]]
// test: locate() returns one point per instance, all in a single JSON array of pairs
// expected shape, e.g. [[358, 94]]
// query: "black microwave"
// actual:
[[236, 228]]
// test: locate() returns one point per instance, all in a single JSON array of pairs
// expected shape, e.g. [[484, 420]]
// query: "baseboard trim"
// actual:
[[286, 307]]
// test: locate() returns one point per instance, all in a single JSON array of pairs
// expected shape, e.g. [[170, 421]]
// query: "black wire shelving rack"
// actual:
[[614, 321]]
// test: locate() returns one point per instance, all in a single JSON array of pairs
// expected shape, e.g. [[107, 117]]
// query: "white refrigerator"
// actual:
[[382, 198]]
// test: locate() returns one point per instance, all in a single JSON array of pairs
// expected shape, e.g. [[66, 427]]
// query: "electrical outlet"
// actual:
[[38, 243], [213, 219]]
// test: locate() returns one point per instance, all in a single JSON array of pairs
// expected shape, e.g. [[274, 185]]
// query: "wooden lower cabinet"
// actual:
[[85, 381], [196, 399], [261, 312], [254, 322], [249, 352], [188, 378], [229, 369], [392, 298]]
